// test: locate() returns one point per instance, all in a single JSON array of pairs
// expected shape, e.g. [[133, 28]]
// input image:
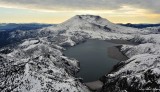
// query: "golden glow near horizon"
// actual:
[[125, 14]]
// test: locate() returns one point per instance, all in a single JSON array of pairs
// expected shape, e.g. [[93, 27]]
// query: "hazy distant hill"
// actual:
[[14, 26], [140, 25], [8, 29]]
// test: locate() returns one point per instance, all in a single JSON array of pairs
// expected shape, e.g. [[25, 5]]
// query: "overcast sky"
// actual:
[[56, 11]]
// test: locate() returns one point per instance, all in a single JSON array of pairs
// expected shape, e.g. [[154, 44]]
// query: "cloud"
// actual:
[[75, 5]]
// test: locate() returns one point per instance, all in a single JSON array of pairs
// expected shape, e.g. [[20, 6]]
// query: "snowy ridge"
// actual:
[[149, 48], [154, 29]]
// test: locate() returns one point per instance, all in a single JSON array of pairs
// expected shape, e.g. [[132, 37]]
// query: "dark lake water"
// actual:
[[93, 57]]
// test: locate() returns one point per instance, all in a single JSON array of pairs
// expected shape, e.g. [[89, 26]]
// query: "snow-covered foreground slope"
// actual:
[[141, 73], [37, 64]]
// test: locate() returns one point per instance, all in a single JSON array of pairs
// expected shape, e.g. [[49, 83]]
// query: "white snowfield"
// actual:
[[38, 64]]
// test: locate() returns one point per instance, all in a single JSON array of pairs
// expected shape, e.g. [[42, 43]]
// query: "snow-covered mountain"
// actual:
[[88, 25], [36, 62], [96, 23]]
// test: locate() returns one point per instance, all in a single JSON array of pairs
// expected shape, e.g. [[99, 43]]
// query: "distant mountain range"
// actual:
[[14, 26], [6, 29], [139, 25]]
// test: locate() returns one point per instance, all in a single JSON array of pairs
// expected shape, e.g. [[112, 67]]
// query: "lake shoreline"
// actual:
[[115, 53], [122, 42], [111, 49]]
